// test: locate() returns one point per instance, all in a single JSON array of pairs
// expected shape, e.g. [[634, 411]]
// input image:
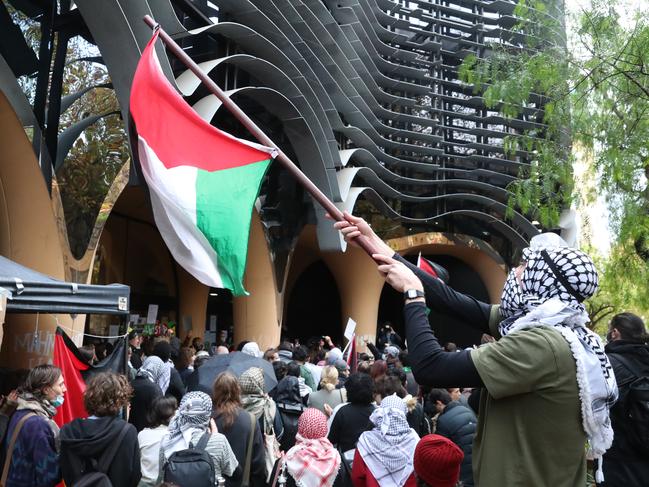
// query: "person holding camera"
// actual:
[[387, 336]]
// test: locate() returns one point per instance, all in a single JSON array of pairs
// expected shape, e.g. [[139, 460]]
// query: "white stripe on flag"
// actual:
[[173, 198]]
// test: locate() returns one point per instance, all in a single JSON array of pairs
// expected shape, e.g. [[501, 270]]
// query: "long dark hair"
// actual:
[[630, 326], [226, 398]]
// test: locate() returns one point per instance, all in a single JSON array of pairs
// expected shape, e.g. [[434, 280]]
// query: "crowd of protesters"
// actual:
[[505, 412], [320, 425]]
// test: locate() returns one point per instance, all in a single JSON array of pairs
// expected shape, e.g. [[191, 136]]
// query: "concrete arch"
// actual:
[[359, 285], [476, 253], [28, 235], [258, 317]]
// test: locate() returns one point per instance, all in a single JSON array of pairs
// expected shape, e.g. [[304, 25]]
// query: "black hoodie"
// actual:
[[290, 406], [623, 464], [87, 439]]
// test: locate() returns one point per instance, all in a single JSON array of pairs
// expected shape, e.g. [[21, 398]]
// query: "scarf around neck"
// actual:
[[193, 415], [313, 461], [555, 281], [255, 400], [389, 448], [42, 408], [154, 369]]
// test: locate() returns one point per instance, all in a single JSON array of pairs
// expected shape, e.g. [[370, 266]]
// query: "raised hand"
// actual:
[[354, 226], [397, 274]]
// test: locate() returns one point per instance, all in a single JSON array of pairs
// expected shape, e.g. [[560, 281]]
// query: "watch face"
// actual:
[[411, 293]]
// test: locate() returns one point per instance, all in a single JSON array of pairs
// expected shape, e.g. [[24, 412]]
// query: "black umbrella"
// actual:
[[236, 363]]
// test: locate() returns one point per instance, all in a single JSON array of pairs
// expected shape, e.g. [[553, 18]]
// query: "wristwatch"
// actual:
[[413, 293]]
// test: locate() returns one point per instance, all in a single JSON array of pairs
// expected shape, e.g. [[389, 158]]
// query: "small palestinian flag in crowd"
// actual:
[[432, 269], [352, 356], [426, 266], [77, 370]]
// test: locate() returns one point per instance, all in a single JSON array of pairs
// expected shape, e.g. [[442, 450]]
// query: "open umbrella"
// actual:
[[236, 363]]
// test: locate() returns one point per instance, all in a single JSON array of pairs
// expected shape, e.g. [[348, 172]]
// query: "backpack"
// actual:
[[7, 409], [345, 474], [192, 467], [290, 414], [635, 407], [98, 476]]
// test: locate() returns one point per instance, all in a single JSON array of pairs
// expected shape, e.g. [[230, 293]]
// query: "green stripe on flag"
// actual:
[[224, 204]]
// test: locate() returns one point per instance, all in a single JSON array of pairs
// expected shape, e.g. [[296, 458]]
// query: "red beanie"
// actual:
[[437, 461]]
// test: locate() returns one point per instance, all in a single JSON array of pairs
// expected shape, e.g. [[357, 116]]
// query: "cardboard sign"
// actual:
[[187, 323], [152, 313], [350, 329]]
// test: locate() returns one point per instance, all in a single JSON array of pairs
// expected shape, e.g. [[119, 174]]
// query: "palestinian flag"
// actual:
[[426, 266], [76, 371], [203, 182], [352, 356]]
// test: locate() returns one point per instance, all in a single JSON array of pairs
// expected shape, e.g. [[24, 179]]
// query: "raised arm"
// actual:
[[445, 299], [439, 296], [431, 365]]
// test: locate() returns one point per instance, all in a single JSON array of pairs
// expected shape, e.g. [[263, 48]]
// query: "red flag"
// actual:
[[352, 359], [71, 365], [425, 265], [76, 370]]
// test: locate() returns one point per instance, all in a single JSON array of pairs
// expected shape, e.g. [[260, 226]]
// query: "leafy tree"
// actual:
[[101, 150], [97, 155], [595, 91]]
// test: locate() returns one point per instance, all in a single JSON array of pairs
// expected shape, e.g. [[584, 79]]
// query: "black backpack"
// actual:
[[192, 467], [290, 414], [635, 406], [98, 475]]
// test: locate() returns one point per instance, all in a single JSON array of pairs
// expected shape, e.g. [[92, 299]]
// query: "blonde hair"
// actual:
[[329, 378]]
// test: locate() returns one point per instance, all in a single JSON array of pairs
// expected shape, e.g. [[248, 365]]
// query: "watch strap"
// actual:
[[413, 293]]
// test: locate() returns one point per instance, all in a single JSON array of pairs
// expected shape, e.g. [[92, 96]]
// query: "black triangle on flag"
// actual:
[[77, 370]]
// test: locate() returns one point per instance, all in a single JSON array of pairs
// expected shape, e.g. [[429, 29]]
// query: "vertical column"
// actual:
[[257, 317], [360, 285], [29, 236], [192, 298]]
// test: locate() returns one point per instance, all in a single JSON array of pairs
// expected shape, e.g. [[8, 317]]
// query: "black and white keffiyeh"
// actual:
[[388, 449], [193, 415], [154, 369], [554, 283]]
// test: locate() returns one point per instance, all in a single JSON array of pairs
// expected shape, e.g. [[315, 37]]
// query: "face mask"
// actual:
[[57, 401]]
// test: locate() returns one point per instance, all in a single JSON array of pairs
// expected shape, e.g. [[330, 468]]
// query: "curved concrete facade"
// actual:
[[29, 236], [364, 95]]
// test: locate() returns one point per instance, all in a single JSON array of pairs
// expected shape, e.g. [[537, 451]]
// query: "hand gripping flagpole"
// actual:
[[252, 127]]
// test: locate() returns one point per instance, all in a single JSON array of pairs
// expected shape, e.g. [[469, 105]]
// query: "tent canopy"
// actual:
[[32, 292]]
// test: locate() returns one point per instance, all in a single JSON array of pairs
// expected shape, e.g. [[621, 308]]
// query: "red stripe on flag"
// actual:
[[177, 134], [352, 359], [71, 366], [425, 266]]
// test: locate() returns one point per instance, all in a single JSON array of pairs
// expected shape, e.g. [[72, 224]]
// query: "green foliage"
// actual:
[[101, 150], [596, 93], [97, 155], [623, 278], [520, 82]]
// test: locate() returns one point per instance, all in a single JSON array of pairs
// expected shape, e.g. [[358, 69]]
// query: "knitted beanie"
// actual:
[[437, 461]]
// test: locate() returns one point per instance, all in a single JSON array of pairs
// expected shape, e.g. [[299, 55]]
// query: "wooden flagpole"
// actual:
[[252, 127]]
